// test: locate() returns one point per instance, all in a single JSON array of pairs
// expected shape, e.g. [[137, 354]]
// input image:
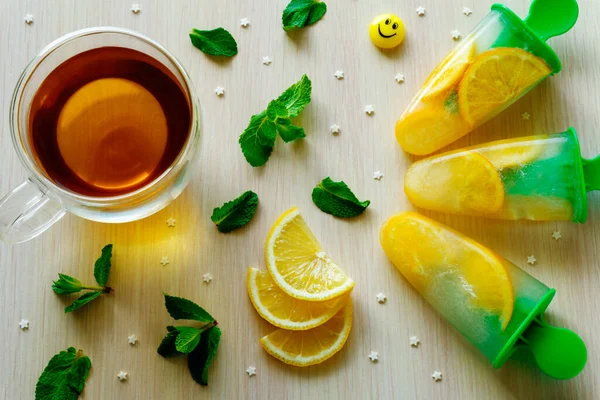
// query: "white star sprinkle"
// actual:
[[437, 376], [526, 116], [339, 74], [399, 78], [381, 298], [377, 175], [171, 222], [24, 324], [267, 60], [207, 277], [335, 129], [467, 11], [421, 11], [164, 260], [414, 341], [244, 22], [369, 109], [28, 19], [531, 260], [135, 8], [251, 371], [219, 91], [556, 235], [455, 34], [132, 339], [122, 375], [374, 356]]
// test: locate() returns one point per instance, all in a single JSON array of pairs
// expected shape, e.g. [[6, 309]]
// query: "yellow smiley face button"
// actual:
[[387, 31]]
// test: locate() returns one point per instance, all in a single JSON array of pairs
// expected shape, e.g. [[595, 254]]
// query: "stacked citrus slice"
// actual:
[[303, 293]]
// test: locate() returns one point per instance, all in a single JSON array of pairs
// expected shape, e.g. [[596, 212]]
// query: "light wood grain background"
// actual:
[[365, 144]]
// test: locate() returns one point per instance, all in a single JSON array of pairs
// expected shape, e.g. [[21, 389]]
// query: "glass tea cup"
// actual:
[[40, 201]]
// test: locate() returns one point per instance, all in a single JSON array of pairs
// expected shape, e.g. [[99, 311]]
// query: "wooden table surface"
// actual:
[[365, 144]]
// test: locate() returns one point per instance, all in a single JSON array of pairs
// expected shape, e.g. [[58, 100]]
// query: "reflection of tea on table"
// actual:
[[108, 121]]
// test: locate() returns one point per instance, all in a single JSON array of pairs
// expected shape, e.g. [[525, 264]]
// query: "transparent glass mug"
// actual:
[[39, 202]]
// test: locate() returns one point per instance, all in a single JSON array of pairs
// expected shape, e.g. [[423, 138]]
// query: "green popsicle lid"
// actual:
[[559, 352], [546, 19]]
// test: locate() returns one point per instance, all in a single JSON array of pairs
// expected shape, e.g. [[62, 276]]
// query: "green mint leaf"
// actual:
[[66, 285], [451, 102], [217, 42], [188, 339], [180, 308], [258, 139], [167, 348], [316, 13], [287, 131], [297, 96], [64, 376], [235, 213], [102, 265], [83, 300], [296, 14], [275, 110], [337, 199], [301, 13], [201, 358]]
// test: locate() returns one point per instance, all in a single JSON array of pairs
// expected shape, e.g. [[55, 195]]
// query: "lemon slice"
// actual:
[[284, 311], [449, 72], [511, 153], [299, 265], [304, 348], [429, 129], [444, 265], [496, 79], [458, 183]]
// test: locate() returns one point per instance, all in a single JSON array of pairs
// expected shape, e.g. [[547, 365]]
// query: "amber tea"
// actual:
[[108, 121]]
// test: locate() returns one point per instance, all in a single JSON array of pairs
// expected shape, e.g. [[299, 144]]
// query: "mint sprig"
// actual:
[[235, 213], [337, 199], [301, 13], [67, 284], [216, 42], [64, 376], [258, 139], [198, 343]]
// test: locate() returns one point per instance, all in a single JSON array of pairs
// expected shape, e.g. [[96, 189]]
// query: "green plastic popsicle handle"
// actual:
[[549, 18], [559, 352], [591, 173]]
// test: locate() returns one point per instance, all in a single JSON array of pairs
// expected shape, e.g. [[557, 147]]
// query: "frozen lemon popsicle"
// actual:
[[497, 63], [540, 178], [493, 303]]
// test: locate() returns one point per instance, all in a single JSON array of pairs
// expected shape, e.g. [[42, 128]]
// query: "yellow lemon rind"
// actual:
[[265, 313], [279, 279], [319, 358]]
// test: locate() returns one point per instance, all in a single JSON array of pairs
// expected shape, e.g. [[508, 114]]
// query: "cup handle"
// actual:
[[27, 211]]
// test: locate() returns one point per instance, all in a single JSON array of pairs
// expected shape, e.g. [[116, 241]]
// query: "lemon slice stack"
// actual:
[[303, 293]]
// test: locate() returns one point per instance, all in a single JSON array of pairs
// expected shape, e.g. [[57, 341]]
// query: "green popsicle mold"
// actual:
[[587, 177], [567, 176], [546, 19], [559, 352]]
